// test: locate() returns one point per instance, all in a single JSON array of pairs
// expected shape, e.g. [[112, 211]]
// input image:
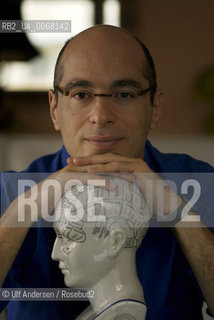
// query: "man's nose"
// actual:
[[57, 249], [102, 112]]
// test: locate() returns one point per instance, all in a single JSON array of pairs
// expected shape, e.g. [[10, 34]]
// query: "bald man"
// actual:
[[104, 102]]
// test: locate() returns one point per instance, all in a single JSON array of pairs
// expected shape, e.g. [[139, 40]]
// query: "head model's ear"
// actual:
[[53, 108], [157, 108], [117, 238]]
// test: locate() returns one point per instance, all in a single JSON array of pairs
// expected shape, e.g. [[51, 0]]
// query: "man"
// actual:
[[104, 102]]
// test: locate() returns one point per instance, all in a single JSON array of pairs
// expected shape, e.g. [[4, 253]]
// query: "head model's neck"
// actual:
[[121, 282]]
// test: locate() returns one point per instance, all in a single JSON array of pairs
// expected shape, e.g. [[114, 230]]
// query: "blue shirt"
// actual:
[[170, 289]]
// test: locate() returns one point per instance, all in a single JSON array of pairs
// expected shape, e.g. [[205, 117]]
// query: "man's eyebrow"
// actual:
[[78, 83], [126, 83], [116, 84]]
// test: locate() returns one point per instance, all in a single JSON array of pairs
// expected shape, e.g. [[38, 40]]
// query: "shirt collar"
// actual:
[[64, 156]]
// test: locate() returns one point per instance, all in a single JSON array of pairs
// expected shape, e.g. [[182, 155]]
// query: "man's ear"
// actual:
[[53, 108], [117, 238], [157, 108]]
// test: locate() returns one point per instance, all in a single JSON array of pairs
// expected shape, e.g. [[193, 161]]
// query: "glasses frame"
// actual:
[[67, 92]]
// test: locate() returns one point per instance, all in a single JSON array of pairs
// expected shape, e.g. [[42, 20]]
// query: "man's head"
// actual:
[[105, 60], [148, 71]]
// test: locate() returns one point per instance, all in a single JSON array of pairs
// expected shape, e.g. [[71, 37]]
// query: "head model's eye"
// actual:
[[67, 245]]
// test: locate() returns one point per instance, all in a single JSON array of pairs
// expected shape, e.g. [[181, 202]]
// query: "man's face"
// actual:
[[100, 60]]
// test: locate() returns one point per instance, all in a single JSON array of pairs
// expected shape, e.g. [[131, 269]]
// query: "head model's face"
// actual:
[[82, 257], [88, 250], [100, 59]]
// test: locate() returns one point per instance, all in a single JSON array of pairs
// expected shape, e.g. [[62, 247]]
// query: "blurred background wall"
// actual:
[[180, 36]]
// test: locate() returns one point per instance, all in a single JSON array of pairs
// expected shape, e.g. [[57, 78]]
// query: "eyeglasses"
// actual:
[[84, 97]]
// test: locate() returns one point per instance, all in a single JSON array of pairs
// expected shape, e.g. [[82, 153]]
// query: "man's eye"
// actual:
[[80, 95], [125, 95]]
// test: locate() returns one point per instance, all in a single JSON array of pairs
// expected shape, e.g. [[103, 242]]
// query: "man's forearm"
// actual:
[[11, 239], [13, 231], [198, 246]]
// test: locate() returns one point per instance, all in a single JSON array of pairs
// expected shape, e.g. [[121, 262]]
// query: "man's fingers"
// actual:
[[69, 160], [117, 166], [129, 177], [72, 175], [99, 159]]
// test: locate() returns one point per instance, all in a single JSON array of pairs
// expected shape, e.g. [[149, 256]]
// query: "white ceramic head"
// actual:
[[87, 250]]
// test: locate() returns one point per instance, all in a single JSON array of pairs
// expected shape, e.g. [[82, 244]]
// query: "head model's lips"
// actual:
[[104, 142], [62, 266], [63, 269]]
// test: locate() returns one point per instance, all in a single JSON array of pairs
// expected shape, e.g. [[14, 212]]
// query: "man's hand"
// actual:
[[109, 163], [133, 169]]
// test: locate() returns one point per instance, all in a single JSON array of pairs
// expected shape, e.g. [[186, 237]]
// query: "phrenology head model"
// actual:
[[95, 227], [97, 234]]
